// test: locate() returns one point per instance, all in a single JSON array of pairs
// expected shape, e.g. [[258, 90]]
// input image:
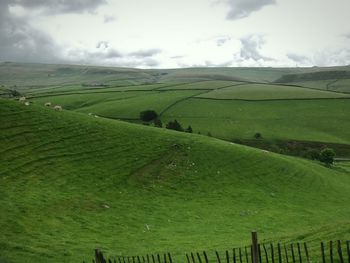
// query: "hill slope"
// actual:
[[71, 182]]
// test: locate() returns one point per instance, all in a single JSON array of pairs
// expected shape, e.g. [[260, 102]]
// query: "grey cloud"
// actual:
[[298, 58], [251, 46], [331, 57], [111, 56], [145, 53], [109, 19], [60, 6], [102, 44], [20, 42], [243, 8]]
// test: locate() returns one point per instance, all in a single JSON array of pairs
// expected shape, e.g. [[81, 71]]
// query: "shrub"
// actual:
[[189, 129], [158, 123], [148, 115], [312, 154], [174, 125], [327, 156], [258, 135]]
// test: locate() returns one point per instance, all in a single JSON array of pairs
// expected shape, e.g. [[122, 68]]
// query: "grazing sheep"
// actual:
[[48, 104], [58, 107], [27, 103], [22, 99]]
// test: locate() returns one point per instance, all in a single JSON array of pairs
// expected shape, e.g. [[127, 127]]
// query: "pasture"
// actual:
[[76, 182], [79, 179]]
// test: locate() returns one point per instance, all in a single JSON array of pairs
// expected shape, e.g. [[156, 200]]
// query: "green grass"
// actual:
[[59, 170], [205, 85], [126, 104], [269, 92], [311, 120]]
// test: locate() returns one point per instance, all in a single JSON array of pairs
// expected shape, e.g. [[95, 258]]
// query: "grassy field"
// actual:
[[71, 183], [78, 179], [204, 98], [269, 92], [313, 120]]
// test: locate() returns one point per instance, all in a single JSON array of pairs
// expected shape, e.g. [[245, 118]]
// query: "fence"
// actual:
[[325, 252]]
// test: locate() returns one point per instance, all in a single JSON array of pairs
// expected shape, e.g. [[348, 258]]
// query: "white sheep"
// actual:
[[27, 103], [22, 99], [48, 104], [58, 107]]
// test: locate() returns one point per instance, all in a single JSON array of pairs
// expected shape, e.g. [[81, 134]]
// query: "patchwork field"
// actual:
[[78, 179]]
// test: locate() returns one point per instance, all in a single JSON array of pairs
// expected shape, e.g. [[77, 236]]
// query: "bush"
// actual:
[[327, 156], [174, 125], [258, 135], [158, 123], [148, 115], [189, 129], [312, 154]]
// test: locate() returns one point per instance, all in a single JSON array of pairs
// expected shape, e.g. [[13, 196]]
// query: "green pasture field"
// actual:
[[127, 104], [311, 120], [204, 85], [269, 92], [71, 183], [305, 118]]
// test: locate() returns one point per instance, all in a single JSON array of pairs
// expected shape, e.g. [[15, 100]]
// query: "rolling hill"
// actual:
[[71, 182]]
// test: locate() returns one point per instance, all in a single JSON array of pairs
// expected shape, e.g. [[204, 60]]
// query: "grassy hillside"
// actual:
[[72, 182]]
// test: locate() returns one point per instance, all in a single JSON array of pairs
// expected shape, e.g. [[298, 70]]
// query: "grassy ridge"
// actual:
[[71, 182]]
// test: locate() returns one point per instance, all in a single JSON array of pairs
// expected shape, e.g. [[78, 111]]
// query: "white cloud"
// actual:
[[169, 33]]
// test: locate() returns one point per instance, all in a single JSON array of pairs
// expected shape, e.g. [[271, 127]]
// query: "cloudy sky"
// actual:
[[176, 33]]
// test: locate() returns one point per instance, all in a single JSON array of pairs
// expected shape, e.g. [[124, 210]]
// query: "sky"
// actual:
[[176, 33]]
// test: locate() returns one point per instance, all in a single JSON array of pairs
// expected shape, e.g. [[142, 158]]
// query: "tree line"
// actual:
[[150, 116]]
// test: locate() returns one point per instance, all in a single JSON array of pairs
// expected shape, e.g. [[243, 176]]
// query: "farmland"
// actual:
[[80, 178]]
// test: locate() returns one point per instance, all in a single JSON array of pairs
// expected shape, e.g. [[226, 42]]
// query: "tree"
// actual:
[[258, 135], [313, 154], [189, 129], [327, 156], [174, 125], [158, 123], [148, 115]]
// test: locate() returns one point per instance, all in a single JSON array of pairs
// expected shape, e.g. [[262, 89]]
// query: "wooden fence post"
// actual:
[[331, 250], [340, 253], [279, 252], [205, 257], [255, 248], [322, 252], [199, 258]]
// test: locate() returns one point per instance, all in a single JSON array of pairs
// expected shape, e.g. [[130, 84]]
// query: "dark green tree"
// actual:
[[327, 156], [258, 135], [189, 129], [174, 125], [313, 154], [158, 123], [148, 115]]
